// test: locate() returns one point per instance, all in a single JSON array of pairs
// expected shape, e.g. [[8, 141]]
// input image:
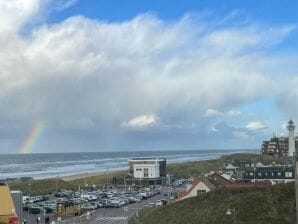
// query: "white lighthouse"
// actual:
[[291, 128]]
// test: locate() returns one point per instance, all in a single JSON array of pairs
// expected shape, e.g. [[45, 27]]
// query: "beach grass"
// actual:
[[274, 205], [194, 169], [52, 185], [200, 168]]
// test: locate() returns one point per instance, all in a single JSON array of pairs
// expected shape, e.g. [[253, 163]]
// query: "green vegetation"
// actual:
[[48, 186], [274, 205], [195, 169], [200, 168]]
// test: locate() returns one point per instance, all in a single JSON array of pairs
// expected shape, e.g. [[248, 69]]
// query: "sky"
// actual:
[[95, 75]]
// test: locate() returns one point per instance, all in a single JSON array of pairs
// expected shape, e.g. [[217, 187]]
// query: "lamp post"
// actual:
[[125, 183], [230, 211], [29, 185], [296, 181], [56, 186], [85, 179], [107, 177]]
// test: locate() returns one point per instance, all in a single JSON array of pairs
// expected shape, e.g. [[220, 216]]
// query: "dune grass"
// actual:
[[200, 168], [274, 205], [195, 169], [49, 186]]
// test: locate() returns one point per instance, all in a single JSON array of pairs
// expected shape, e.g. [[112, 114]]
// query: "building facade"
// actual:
[[17, 197], [198, 187], [147, 168], [278, 147], [281, 146], [273, 174], [7, 210]]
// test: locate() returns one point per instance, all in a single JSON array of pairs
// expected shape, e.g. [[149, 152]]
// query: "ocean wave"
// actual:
[[41, 166]]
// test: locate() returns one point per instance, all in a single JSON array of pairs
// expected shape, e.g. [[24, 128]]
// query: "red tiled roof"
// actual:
[[222, 177], [194, 183]]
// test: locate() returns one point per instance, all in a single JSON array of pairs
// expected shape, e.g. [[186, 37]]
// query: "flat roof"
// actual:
[[146, 165], [147, 159]]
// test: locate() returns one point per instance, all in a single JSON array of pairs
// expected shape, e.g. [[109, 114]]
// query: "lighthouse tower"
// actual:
[[291, 128]]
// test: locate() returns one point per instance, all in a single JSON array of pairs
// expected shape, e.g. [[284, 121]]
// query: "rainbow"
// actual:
[[34, 134]]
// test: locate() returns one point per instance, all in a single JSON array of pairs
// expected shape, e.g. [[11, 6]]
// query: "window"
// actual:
[[279, 174], [200, 192], [288, 174], [260, 174], [251, 173], [146, 172]]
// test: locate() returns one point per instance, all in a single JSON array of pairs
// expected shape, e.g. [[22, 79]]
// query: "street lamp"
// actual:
[[230, 211], [85, 179], [29, 186], [56, 186]]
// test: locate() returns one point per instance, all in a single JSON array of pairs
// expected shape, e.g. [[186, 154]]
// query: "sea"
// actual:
[[47, 165]]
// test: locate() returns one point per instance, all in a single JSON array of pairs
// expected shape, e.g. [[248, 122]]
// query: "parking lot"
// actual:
[[114, 206]]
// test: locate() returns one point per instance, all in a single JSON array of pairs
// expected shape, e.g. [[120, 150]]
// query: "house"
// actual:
[[230, 169], [7, 209], [198, 187], [273, 174], [220, 181], [259, 164]]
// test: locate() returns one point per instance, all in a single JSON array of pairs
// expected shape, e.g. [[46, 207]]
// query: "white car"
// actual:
[[158, 203], [151, 204]]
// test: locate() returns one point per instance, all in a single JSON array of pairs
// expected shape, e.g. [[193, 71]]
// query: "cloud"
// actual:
[[63, 4], [255, 125], [15, 13], [287, 100], [78, 123], [140, 121], [233, 113], [241, 134], [212, 129], [82, 73], [212, 113], [217, 113]]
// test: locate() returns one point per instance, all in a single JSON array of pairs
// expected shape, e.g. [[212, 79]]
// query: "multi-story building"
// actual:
[[276, 147], [283, 146], [273, 174], [147, 168]]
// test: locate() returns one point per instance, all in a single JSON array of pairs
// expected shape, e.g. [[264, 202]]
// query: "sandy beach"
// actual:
[[93, 174]]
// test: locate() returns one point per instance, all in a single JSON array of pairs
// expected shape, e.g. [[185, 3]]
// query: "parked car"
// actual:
[[96, 204], [151, 204], [36, 210], [90, 206], [159, 203], [164, 201]]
